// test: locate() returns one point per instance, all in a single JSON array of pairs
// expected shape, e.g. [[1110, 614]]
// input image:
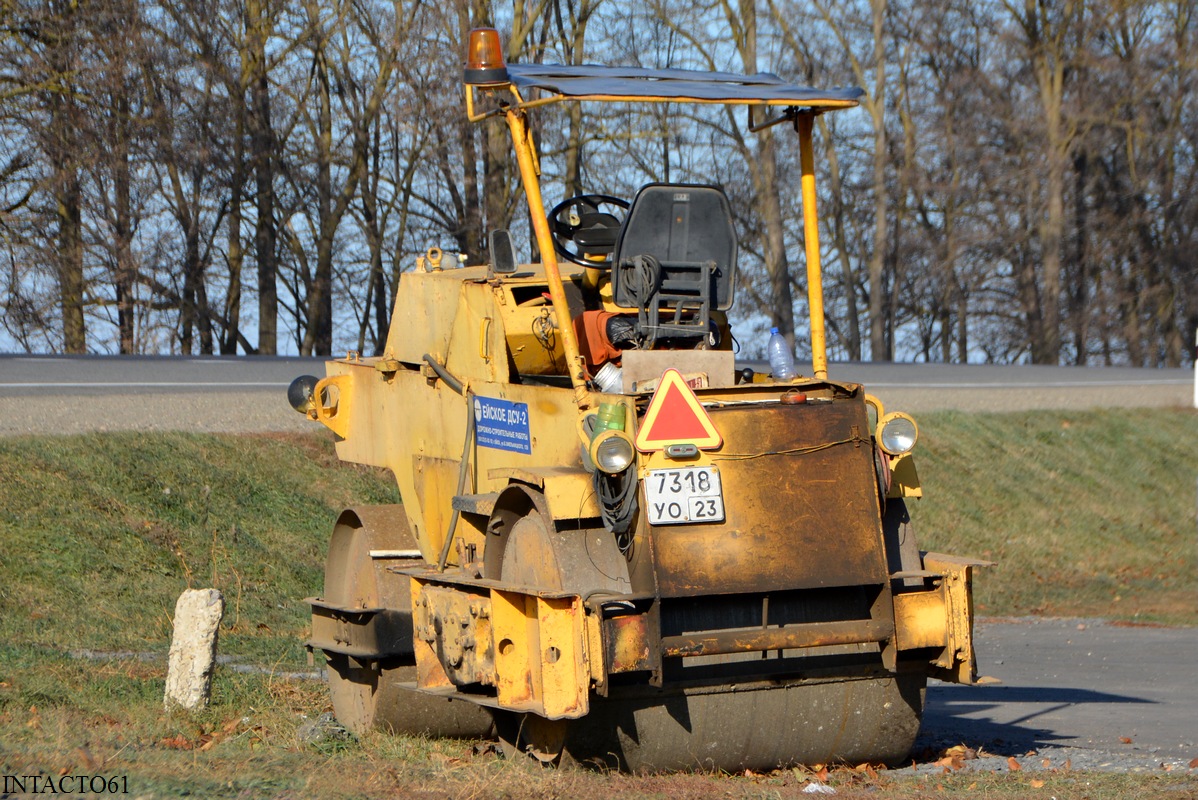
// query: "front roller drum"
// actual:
[[365, 689]]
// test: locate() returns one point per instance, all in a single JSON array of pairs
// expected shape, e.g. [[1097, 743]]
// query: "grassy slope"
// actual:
[[1086, 513], [100, 534]]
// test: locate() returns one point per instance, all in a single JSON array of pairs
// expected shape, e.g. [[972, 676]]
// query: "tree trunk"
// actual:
[[879, 351], [262, 144]]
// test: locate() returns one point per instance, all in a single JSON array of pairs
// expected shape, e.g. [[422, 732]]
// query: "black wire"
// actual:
[[617, 502], [792, 451]]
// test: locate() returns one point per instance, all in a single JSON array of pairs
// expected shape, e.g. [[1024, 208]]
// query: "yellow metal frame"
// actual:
[[957, 662], [526, 156]]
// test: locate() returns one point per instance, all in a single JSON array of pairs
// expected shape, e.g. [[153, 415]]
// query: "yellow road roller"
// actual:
[[614, 547]]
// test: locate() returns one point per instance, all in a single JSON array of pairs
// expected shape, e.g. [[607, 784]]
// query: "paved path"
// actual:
[[1075, 689]]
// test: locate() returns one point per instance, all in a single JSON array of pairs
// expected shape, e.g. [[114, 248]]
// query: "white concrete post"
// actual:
[[193, 648]]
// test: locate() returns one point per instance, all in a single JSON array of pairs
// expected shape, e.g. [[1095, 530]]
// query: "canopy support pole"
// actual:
[[815, 287]]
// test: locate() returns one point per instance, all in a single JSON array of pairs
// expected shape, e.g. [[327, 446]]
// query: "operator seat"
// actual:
[[675, 260]]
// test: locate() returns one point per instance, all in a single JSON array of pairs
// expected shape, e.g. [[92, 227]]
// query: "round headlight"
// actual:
[[612, 451], [897, 433], [299, 393]]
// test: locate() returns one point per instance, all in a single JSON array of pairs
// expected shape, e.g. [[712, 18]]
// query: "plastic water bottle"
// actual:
[[782, 360]]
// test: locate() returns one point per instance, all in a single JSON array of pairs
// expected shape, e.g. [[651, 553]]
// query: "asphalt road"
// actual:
[[1101, 695], [41, 394], [1091, 693]]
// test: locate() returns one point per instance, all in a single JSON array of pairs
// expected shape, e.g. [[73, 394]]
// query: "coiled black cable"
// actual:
[[617, 502]]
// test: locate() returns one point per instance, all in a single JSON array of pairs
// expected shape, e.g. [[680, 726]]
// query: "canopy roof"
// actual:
[[634, 83]]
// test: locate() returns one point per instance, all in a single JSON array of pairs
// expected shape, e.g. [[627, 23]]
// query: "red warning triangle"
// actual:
[[674, 416]]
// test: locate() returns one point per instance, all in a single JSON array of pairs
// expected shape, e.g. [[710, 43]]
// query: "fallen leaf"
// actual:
[[1037, 783], [1046, 763], [960, 750], [1125, 739], [821, 773], [1013, 765], [1069, 764], [1193, 763], [972, 786], [177, 743]]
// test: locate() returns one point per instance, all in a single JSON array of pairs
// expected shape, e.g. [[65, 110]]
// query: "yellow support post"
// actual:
[[815, 287], [536, 206]]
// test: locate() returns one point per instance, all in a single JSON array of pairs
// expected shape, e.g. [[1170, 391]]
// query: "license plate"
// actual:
[[684, 495]]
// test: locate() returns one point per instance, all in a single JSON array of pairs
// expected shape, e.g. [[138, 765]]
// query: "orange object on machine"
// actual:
[[590, 327]]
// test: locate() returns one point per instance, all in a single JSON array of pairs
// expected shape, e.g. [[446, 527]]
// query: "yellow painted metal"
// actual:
[[920, 620], [568, 492], [565, 674], [393, 412], [525, 156], [517, 663], [815, 288], [957, 663], [429, 672], [333, 397], [904, 480], [541, 659]]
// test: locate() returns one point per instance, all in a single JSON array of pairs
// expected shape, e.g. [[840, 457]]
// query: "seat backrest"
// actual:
[[681, 226]]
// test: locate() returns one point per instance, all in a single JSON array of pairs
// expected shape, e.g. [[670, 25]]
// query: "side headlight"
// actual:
[[299, 393], [612, 451], [897, 433]]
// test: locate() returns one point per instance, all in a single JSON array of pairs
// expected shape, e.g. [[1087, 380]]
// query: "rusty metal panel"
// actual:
[[429, 672], [632, 643], [456, 626], [816, 634], [801, 500], [360, 632]]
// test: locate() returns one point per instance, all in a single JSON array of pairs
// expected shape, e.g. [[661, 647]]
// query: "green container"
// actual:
[[611, 417]]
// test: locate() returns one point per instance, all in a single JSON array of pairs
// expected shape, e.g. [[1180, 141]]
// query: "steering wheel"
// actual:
[[580, 229]]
